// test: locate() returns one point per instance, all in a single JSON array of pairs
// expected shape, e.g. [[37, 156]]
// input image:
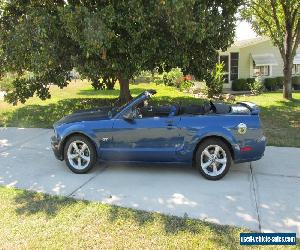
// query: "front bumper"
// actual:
[[55, 145]]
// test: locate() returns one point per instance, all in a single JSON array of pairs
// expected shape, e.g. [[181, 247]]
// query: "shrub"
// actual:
[[173, 77], [240, 85], [279, 82], [296, 82], [145, 77], [256, 87], [250, 81], [185, 85], [158, 80], [214, 86], [272, 84]]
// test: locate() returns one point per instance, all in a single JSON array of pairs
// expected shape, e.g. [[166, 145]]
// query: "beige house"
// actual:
[[256, 57]]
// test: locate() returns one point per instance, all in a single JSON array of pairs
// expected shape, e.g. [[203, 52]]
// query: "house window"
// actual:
[[263, 70], [296, 69], [234, 66]]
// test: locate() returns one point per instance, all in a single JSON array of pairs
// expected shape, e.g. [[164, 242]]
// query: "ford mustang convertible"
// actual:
[[211, 136]]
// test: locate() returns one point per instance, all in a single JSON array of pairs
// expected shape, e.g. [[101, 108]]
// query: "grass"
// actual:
[[38, 221], [280, 118]]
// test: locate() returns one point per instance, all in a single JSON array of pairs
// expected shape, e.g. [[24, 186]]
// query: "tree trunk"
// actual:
[[287, 81], [125, 95]]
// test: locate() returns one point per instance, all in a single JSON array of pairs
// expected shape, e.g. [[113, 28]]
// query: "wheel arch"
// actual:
[[213, 137], [67, 137]]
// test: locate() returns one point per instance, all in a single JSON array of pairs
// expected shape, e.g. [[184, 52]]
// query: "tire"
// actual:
[[213, 166], [85, 151]]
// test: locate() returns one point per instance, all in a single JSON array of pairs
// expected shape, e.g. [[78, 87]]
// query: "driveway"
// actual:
[[262, 195]]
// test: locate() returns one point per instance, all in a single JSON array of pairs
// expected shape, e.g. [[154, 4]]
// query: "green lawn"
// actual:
[[37, 221], [280, 118]]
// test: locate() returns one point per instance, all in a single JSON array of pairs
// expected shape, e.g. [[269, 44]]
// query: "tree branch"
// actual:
[[275, 17], [269, 27], [296, 39]]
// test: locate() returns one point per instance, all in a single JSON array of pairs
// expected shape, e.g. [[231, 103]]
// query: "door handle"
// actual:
[[169, 122]]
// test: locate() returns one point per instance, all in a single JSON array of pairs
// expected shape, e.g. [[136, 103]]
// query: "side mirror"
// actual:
[[129, 116]]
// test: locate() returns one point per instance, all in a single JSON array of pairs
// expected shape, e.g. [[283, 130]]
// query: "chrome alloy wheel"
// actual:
[[213, 160], [79, 155]]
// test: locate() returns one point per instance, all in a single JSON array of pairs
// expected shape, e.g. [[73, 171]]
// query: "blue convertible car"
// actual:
[[211, 136]]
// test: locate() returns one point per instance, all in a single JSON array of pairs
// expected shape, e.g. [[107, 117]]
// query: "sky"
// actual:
[[244, 31]]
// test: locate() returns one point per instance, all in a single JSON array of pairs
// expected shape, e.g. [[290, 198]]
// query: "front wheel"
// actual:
[[80, 154], [213, 159]]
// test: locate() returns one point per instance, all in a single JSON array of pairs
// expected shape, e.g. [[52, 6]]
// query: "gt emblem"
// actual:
[[104, 139], [242, 128]]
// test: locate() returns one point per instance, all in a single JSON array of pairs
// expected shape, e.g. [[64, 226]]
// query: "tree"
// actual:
[[279, 20], [110, 40]]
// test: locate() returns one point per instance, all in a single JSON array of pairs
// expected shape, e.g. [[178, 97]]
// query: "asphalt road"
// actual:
[[263, 195]]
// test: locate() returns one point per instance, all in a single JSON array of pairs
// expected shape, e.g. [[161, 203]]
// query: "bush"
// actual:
[[296, 82], [279, 82], [145, 77], [185, 85], [250, 81], [273, 84], [256, 87], [214, 86], [240, 85], [173, 77], [158, 80]]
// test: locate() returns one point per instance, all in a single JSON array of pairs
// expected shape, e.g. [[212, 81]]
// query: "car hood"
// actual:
[[85, 115]]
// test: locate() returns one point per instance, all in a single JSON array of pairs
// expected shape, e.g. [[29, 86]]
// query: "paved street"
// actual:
[[263, 195]]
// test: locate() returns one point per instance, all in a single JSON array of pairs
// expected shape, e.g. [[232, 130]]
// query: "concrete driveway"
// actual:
[[263, 196]]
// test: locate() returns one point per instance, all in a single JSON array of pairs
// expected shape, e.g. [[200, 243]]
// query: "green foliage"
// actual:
[[6, 82], [273, 84], [296, 82], [186, 85], [280, 21], [104, 82], [241, 84], [174, 78], [146, 76], [159, 79], [214, 84], [110, 39], [256, 87], [250, 80], [280, 81]]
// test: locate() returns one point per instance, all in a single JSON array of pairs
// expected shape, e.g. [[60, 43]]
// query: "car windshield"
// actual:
[[116, 110]]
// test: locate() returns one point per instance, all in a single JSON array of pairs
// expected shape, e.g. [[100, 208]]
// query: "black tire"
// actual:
[[92, 154], [206, 144]]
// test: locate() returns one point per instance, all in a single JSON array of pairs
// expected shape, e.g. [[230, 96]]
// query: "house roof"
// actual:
[[249, 42]]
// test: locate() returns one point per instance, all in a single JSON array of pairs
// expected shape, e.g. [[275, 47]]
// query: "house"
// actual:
[[252, 58]]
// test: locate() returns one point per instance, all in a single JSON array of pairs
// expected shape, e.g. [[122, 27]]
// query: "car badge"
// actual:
[[242, 128]]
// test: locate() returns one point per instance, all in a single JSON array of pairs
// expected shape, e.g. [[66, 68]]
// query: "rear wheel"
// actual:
[[213, 159], [80, 154]]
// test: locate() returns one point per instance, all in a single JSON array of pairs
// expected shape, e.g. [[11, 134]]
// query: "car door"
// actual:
[[152, 139]]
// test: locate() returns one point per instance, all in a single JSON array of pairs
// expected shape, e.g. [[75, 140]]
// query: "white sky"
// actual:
[[244, 31]]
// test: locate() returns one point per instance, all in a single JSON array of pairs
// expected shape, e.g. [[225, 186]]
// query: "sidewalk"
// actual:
[[262, 196]]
